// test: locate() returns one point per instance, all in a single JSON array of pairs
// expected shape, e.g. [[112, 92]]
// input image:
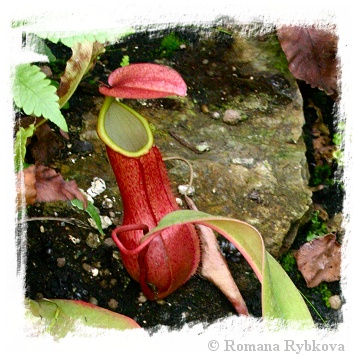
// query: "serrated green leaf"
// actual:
[[91, 210], [69, 39], [34, 93], [20, 145]]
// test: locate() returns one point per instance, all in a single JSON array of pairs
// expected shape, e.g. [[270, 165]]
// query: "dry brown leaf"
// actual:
[[319, 260], [45, 145], [43, 184], [311, 54], [215, 268]]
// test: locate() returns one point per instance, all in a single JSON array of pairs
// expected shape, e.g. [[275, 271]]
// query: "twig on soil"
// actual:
[[184, 142], [72, 221]]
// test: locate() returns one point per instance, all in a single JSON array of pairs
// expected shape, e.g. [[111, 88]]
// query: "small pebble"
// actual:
[[179, 201], [215, 115], [203, 147], [90, 269], [109, 242], [186, 190], [113, 304], [61, 262], [98, 186], [107, 203], [335, 302], [232, 116], [112, 282], [142, 299], [93, 240], [93, 301], [105, 222], [73, 239], [204, 108]]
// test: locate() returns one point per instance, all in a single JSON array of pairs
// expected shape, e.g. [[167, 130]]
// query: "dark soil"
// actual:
[[48, 241]]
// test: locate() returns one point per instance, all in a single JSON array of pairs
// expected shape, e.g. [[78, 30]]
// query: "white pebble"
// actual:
[[98, 186], [186, 190], [335, 302]]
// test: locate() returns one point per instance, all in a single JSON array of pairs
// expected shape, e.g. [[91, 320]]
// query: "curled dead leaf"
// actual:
[[319, 260], [39, 183]]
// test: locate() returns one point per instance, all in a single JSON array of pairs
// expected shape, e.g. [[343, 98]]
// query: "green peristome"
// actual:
[[123, 129], [281, 300]]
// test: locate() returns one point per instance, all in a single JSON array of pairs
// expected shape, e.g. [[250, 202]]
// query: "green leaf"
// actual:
[[281, 300], [34, 93], [91, 210], [125, 61], [20, 146], [60, 317], [69, 39]]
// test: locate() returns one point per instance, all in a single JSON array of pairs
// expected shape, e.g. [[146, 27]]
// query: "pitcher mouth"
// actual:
[[123, 129]]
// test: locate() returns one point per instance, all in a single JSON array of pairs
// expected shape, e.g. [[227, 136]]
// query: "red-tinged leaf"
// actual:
[[144, 81], [311, 54], [60, 317], [319, 260], [280, 298]]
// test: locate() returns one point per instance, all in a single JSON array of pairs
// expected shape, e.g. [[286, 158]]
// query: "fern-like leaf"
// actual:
[[20, 146], [34, 93]]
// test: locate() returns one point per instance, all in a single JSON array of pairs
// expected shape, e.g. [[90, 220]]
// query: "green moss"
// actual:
[[288, 262], [322, 175], [170, 43], [317, 228], [325, 293], [272, 45]]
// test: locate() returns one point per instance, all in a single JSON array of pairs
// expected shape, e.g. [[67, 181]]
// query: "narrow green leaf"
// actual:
[[61, 317], [91, 210], [20, 146], [34, 93], [281, 300]]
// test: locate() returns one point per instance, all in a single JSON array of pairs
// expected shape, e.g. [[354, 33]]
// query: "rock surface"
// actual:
[[253, 169]]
